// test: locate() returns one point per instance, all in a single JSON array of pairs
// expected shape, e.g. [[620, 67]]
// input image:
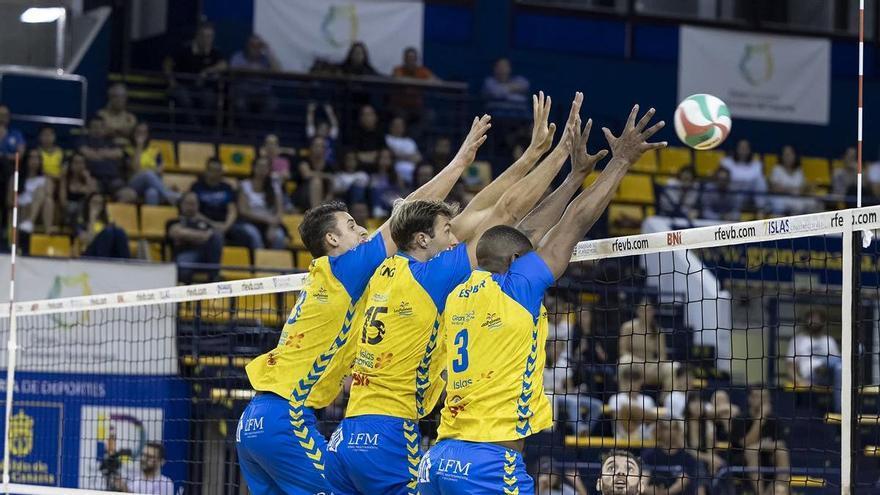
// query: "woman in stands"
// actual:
[[97, 236], [145, 162], [76, 185], [787, 180], [314, 179], [34, 196], [260, 204], [357, 62]]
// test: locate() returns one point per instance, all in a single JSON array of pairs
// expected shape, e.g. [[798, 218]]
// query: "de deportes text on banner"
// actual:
[[760, 76]]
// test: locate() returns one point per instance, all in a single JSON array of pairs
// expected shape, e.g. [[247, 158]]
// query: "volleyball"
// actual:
[[702, 121]]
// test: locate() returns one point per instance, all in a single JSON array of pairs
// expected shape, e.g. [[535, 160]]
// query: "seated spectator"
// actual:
[[719, 201], [252, 95], [217, 204], [675, 399], [35, 195], [118, 121], [843, 180], [634, 413], [506, 93], [76, 185], [643, 339], [145, 162], [674, 470], [200, 59], [788, 179], [278, 157], [103, 157], [813, 356], [368, 139], [149, 478], [553, 482], [328, 129], [314, 180], [385, 185], [11, 139], [357, 61], [746, 176], [408, 100], [405, 150], [97, 236], [621, 474], [350, 183], [51, 154], [680, 197], [260, 206], [760, 438], [194, 239], [725, 422], [411, 68], [699, 433]]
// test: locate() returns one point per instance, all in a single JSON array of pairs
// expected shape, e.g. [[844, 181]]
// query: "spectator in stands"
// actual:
[[411, 68], [194, 238], [76, 185], [357, 62], [202, 60], [680, 197], [98, 237], [699, 431], [217, 204], [813, 356], [35, 195], [313, 178], [674, 470], [621, 474], [506, 92], [103, 157], [788, 179], [11, 139], [424, 173], [260, 206], [385, 185], [408, 100], [51, 154], [634, 413], [150, 478], [441, 153], [843, 180], [328, 129], [760, 438], [719, 201], [405, 150], [725, 422], [278, 157], [553, 482], [350, 183], [368, 139], [253, 95], [643, 339], [675, 399], [145, 162], [118, 121], [746, 176]]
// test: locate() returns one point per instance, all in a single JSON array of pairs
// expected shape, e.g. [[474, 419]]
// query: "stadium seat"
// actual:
[[238, 257], [837, 163], [478, 175], [707, 162], [179, 182], [237, 159], [816, 170], [262, 308], [153, 250], [292, 222], [647, 163], [303, 260], [770, 159], [674, 158], [373, 224], [278, 259], [636, 188], [167, 152], [154, 220], [194, 155], [50, 245], [207, 310], [125, 216], [625, 219]]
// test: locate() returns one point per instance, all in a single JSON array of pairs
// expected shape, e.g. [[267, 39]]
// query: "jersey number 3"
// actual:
[[460, 363]]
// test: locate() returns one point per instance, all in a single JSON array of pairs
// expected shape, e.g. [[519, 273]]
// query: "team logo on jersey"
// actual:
[[386, 271], [335, 440], [294, 341], [453, 468], [271, 360], [492, 322], [455, 406], [405, 310], [462, 319], [321, 295], [384, 359]]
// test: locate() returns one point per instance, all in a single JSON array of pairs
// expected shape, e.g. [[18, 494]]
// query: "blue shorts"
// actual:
[[280, 450], [373, 455], [452, 467]]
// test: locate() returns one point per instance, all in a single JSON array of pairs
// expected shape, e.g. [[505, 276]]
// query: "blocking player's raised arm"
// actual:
[[582, 213], [539, 221]]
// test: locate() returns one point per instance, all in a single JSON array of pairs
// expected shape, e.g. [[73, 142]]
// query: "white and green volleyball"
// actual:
[[702, 121]]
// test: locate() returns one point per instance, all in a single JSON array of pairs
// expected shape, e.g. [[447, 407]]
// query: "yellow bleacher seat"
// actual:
[[237, 159], [167, 152], [292, 222], [673, 158], [816, 170], [179, 182], [209, 310], [625, 219], [636, 188], [154, 219], [237, 257], [50, 245], [153, 249], [647, 163], [837, 163], [478, 175], [278, 259], [707, 162], [373, 224], [303, 259], [770, 160], [125, 216], [261, 307], [192, 156]]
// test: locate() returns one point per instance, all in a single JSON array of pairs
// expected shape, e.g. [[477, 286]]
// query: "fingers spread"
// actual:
[[608, 136], [645, 119], [655, 146], [653, 129], [631, 120]]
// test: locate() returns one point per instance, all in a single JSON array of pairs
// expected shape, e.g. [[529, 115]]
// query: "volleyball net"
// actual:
[[734, 358]]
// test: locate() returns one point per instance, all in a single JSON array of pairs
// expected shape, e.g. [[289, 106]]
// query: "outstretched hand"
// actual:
[[542, 132], [633, 141], [474, 139], [582, 162]]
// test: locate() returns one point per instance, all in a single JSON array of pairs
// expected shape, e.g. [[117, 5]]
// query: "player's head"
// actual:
[[621, 474], [329, 230], [422, 227], [499, 246], [152, 457]]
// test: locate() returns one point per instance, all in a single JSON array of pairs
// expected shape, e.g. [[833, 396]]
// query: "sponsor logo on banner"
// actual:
[[729, 232], [673, 238], [196, 291], [35, 443], [252, 286], [224, 288], [775, 227], [629, 244]]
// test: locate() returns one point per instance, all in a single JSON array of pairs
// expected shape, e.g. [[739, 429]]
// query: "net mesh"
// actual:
[[712, 354]]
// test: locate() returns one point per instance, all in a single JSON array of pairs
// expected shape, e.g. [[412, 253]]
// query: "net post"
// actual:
[[849, 308]]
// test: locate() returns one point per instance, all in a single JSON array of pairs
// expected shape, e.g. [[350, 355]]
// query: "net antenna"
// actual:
[[867, 235], [12, 345]]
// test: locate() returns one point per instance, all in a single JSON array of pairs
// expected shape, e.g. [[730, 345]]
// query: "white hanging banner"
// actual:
[[759, 76]]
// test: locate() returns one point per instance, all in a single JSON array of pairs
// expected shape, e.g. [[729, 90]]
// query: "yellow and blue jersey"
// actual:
[[399, 359], [312, 356], [496, 329]]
